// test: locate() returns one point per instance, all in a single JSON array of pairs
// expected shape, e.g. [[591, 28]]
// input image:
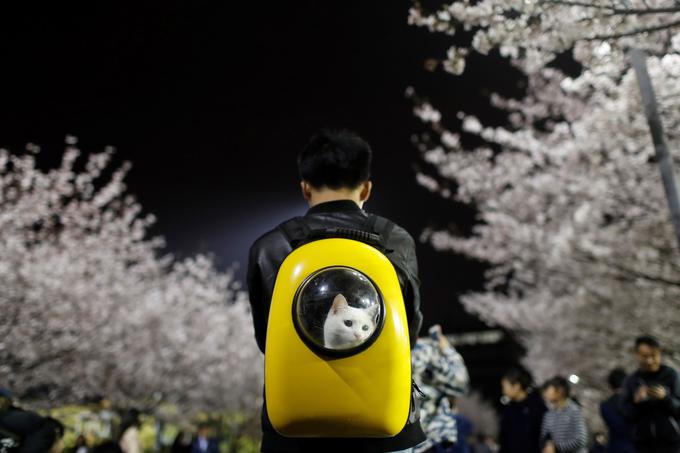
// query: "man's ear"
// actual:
[[366, 188], [306, 190]]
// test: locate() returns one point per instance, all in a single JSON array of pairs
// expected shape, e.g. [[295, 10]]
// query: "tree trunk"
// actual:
[[663, 156]]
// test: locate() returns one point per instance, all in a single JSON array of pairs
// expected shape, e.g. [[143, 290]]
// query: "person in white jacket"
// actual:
[[129, 430]]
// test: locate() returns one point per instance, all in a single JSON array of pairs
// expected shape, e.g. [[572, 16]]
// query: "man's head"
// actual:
[[515, 383], [648, 352], [334, 165], [556, 390], [204, 430]]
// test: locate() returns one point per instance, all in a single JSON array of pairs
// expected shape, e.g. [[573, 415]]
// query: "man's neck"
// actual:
[[326, 196]]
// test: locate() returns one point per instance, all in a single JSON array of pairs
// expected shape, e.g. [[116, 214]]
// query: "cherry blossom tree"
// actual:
[[91, 306], [572, 213]]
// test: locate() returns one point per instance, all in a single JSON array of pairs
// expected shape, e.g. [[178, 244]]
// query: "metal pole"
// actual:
[[663, 156]]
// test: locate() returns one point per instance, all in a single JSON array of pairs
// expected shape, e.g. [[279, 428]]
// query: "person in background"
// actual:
[[204, 442], [81, 445], [522, 416], [129, 432], [619, 428], [563, 429], [441, 376], [106, 417], [650, 400], [182, 443], [448, 431], [25, 431]]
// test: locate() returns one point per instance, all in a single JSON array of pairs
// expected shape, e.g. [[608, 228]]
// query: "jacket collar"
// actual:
[[334, 206]]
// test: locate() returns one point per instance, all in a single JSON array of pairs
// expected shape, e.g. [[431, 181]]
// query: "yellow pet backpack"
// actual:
[[337, 356]]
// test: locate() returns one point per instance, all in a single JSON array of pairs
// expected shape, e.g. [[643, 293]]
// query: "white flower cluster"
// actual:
[[89, 307], [532, 32], [573, 217]]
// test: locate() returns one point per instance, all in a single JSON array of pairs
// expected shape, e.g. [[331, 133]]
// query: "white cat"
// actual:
[[347, 326]]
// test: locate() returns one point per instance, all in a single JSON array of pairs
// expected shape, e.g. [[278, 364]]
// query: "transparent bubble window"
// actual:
[[338, 311]]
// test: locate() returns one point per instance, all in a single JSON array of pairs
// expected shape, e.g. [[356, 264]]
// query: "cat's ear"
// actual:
[[338, 303]]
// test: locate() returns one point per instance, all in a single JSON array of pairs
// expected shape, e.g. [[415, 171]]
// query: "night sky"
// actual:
[[211, 102]]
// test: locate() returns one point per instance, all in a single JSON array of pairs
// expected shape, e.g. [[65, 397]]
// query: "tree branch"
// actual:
[[615, 10], [633, 32]]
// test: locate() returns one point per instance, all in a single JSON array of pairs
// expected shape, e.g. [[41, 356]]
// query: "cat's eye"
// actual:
[[364, 328], [348, 323]]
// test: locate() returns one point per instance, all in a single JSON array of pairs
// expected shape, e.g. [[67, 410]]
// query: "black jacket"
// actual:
[[520, 430], [34, 433], [618, 427], [266, 256], [655, 422]]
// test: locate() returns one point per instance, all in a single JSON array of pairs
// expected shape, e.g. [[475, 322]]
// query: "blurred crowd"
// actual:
[[642, 414], [24, 431]]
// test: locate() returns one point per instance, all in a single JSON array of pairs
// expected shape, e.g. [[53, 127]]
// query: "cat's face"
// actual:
[[346, 326]]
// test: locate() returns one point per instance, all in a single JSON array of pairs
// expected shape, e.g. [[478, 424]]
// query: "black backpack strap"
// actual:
[[381, 226], [296, 231]]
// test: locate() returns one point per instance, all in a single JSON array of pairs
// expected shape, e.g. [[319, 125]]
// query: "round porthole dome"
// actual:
[[338, 311]]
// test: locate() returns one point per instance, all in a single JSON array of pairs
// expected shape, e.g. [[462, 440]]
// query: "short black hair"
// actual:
[[559, 382], [616, 378], [335, 159], [649, 340], [519, 376]]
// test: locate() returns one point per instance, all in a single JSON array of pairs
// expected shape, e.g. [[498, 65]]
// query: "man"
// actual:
[[651, 400], [27, 432], [204, 443], [334, 169], [619, 440], [563, 429], [520, 429]]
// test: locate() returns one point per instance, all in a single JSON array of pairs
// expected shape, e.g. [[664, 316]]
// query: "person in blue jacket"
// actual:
[[520, 427], [204, 442], [619, 428]]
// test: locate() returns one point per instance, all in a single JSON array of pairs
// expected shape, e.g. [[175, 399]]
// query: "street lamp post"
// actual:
[[663, 156]]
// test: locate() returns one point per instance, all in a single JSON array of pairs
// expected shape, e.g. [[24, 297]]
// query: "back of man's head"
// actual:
[[335, 159], [616, 378]]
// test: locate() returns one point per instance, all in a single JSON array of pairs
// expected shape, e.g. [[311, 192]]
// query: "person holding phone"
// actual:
[[651, 400]]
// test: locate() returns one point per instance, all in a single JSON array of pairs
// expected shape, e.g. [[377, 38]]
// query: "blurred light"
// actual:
[[574, 379]]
